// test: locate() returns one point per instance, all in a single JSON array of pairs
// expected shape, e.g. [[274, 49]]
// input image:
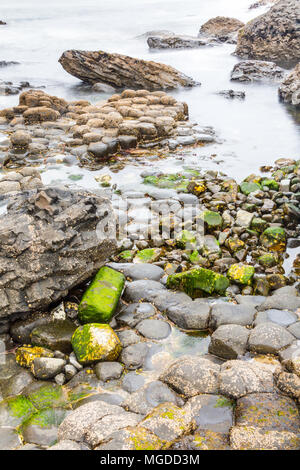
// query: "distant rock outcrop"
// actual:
[[289, 90]]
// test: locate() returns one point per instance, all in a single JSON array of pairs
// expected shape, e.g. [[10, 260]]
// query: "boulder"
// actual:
[[289, 90], [269, 338], [49, 243], [256, 71], [198, 282], [229, 341], [273, 36], [122, 71], [174, 41], [221, 28]]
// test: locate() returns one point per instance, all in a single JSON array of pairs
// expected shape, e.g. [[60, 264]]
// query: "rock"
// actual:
[[289, 384], [70, 371], [280, 317], [103, 88], [280, 302], [100, 300], [198, 282], [241, 273], [270, 338], [253, 438], [227, 313], [243, 218], [256, 70], [47, 367], [134, 356], [191, 376], [272, 36], [122, 71], [128, 337], [151, 395], [98, 149], [25, 355], [40, 114], [230, 94], [221, 28], [174, 41], [154, 329], [295, 329], [108, 370], [132, 314], [274, 239], [289, 90], [47, 220], [203, 440], [139, 271], [192, 315], [132, 382], [142, 290], [239, 378], [55, 335], [211, 412], [38, 98], [132, 438], [94, 342], [229, 341], [20, 139], [67, 444]]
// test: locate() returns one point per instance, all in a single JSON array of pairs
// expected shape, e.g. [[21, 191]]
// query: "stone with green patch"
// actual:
[[198, 282], [248, 188], [241, 273], [148, 255], [274, 239]]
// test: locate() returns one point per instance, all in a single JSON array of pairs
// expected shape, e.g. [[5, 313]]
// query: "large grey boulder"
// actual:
[[273, 36], [268, 338], [49, 242], [122, 71], [229, 341]]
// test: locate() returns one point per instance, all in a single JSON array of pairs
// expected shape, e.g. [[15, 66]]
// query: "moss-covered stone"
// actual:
[[25, 355], [41, 428], [126, 255], [234, 244], [96, 342], [197, 187], [268, 260], [14, 411], [274, 239], [212, 220], [198, 282], [270, 184], [171, 181], [258, 224], [148, 255], [186, 239], [141, 439], [241, 273], [47, 395], [101, 298], [247, 188]]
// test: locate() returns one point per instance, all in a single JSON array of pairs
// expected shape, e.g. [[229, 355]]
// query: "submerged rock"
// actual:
[[49, 234], [273, 36], [122, 71], [289, 90]]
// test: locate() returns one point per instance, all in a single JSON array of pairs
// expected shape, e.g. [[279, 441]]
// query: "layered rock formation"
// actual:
[[48, 244], [221, 28], [256, 70], [174, 41], [289, 90], [122, 71], [273, 36]]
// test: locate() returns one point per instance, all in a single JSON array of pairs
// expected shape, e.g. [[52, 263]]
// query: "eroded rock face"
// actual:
[[122, 71], [174, 41], [221, 28], [48, 244], [273, 36], [289, 90], [256, 71]]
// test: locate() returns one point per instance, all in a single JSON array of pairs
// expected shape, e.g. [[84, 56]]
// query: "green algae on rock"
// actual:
[[96, 342], [148, 255], [171, 181], [198, 282], [212, 220], [251, 187], [268, 260], [274, 239], [101, 298], [186, 239], [241, 273], [25, 355]]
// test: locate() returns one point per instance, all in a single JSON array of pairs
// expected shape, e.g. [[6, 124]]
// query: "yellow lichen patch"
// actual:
[[25, 355]]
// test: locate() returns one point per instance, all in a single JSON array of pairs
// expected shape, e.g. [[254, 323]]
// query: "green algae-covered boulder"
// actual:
[[270, 184], [126, 255], [101, 298], [258, 224], [186, 239], [148, 255], [241, 273], [212, 220], [25, 355], [274, 239], [96, 342], [198, 282], [268, 260], [247, 188]]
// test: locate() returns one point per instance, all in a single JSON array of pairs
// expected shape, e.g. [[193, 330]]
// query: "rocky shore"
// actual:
[[158, 315]]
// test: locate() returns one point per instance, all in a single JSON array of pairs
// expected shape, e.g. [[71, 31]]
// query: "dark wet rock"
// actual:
[[154, 329], [98, 149], [269, 338], [280, 317], [256, 70], [108, 370], [134, 356], [50, 235], [232, 94], [174, 41], [142, 290], [212, 412], [5, 63], [151, 395], [192, 315], [227, 313], [128, 337], [132, 314], [289, 90], [229, 341], [221, 28], [122, 71], [273, 36], [139, 271], [191, 376], [56, 335], [47, 367], [239, 378], [132, 382]]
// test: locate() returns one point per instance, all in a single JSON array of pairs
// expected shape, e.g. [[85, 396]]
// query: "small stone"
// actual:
[[106, 371], [47, 367], [154, 329]]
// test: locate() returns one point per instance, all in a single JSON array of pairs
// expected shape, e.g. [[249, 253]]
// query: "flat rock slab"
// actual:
[[269, 338], [191, 315], [154, 329], [229, 341], [280, 317], [253, 438], [212, 412], [227, 313]]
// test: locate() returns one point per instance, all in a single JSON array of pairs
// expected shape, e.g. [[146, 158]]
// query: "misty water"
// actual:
[[252, 132]]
